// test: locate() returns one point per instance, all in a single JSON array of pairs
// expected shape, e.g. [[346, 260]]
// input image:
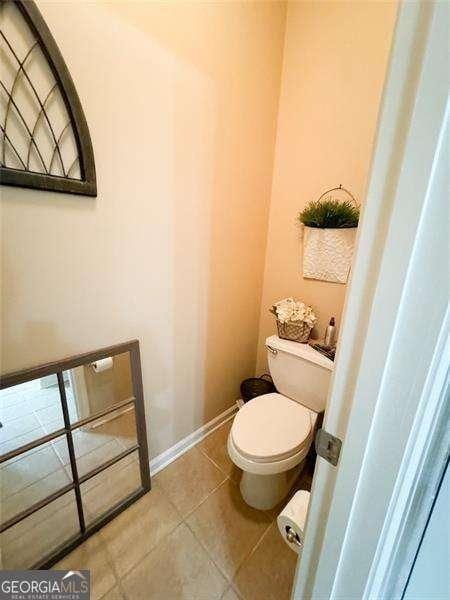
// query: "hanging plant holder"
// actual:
[[328, 252]]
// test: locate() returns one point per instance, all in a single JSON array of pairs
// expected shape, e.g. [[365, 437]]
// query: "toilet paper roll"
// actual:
[[102, 365], [291, 521]]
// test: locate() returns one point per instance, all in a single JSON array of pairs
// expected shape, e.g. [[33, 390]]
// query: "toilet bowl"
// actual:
[[271, 435]]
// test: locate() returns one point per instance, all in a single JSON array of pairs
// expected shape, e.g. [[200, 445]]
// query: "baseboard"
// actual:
[[168, 456]]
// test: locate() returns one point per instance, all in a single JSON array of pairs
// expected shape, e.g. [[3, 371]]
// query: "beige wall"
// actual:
[[181, 100], [334, 66]]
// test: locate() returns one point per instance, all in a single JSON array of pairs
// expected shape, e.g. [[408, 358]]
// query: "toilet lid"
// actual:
[[271, 427]]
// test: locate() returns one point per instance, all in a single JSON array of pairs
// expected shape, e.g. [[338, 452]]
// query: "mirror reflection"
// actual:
[[98, 386], [100, 440], [24, 544], [35, 480], [31, 410]]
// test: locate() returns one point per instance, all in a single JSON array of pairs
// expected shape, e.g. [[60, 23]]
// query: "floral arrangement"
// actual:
[[293, 311]]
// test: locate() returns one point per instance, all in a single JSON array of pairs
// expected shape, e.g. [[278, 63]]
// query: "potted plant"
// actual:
[[329, 237], [295, 319]]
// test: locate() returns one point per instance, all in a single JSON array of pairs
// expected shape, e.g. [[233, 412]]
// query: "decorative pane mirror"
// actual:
[[73, 452]]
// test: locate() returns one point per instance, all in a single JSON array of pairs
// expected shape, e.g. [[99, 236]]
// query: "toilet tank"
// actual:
[[299, 372]]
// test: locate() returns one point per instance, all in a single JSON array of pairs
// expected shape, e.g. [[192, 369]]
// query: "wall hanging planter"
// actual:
[[44, 138], [328, 249], [328, 253]]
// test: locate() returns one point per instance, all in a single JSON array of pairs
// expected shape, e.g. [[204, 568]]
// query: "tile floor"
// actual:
[[190, 538]]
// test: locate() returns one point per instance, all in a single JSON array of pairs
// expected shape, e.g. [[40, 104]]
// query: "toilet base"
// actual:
[[266, 491]]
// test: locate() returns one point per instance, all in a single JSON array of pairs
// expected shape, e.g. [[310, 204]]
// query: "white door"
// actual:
[[430, 575], [394, 331]]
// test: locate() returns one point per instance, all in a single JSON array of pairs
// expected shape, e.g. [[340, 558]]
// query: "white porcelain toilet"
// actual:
[[272, 434]]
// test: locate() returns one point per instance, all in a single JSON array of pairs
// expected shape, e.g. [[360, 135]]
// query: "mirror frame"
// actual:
[[137, 400]]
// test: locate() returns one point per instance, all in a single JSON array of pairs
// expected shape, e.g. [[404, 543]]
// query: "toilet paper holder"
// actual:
[[292, 537]]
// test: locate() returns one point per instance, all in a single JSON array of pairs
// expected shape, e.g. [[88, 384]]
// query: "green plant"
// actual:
[[330, 214]]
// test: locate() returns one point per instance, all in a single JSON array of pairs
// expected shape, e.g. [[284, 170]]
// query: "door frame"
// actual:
[[372, 390]]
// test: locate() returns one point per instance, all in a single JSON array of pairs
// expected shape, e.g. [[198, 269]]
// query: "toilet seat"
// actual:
[[272, 428]]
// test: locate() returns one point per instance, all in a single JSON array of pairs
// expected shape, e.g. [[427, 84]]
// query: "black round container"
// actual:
[[256, 386]]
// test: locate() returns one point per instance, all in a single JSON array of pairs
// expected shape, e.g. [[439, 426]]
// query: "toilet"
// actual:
[[272, 434]]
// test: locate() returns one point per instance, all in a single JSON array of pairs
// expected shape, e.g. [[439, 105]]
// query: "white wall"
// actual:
[[181, 101]]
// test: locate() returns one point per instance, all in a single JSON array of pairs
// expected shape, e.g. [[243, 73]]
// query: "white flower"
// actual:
[[290, 310], [284, 309]]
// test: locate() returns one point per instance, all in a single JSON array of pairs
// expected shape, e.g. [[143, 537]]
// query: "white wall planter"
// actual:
[[328, 253]]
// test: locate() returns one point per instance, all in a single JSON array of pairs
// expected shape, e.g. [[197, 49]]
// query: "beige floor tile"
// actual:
[[189, 480], [177, 569], [91, 555], [136, 531], [227, 527], [109, 488], [215, 446], [269, 572]]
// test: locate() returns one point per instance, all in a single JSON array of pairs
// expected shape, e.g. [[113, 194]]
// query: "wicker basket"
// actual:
[[297, 332]]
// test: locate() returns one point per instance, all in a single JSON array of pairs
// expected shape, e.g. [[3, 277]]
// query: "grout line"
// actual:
[[214, 463], [253, 550], [210, 493], [119, 578], [230, 580], [233, 589], [222, 483], [237, 592], [206, 455], [144, 556], [110, 562], [205, 549]]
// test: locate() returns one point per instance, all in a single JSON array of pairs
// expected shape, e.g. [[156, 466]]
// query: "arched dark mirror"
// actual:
[[45, 141]]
